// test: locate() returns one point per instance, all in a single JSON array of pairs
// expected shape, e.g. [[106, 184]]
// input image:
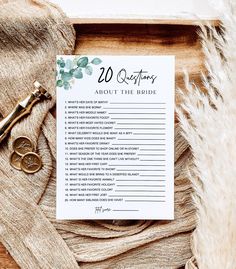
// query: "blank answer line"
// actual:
[[140, 170], [152, 175], [131, 103], [152, 180], [149, 134], [158, 201], [134, 165], [157, 196], [160, 160], [152, 139], [138, 123], [131, 185], [151, 155], [153, 149], [137, 118], [140, 191], [140, 108], [138, 144], [125, 210], [121, 113], [139, 128]]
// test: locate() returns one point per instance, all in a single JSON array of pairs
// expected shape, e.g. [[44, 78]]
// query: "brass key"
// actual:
[[22, 109]]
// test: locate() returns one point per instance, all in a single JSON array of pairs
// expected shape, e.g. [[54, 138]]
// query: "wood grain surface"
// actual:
[[160, 20], [130, 39]]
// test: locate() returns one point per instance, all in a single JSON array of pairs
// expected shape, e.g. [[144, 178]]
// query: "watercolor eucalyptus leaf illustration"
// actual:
[[78, 73], [68, 70], [96, 61], [89, 70], [69, 64], [82, 62]]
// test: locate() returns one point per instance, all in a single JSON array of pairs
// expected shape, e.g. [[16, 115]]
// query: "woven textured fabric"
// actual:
[[32, 33]]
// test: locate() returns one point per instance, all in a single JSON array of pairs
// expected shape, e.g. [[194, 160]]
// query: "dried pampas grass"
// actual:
[[210, 129]]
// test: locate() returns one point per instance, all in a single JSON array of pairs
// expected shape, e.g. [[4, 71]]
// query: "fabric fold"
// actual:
[[32, 33]]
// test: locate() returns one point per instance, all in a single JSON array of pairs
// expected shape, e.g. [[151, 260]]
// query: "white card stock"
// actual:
[[115, 137]]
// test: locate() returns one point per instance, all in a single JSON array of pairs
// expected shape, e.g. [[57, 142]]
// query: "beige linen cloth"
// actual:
[[32, 33]]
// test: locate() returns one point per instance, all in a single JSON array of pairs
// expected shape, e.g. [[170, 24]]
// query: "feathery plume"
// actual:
[[210, 129]]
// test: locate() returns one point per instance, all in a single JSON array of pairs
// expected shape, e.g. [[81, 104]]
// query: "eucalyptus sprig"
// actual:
[[68, 70]]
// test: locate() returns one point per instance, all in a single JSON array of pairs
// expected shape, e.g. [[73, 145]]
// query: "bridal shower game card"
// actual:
[[115, 137]]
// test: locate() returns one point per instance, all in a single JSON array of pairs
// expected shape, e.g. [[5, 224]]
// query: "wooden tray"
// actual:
[[137, 39]]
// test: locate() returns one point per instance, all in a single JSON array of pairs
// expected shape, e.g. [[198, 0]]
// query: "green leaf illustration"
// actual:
[[78, 74], [96, 61], [62, 64], [70, 69], [59, 83], [69, 64], [75, 60], [82, 62], [89, 70], [66, 85], [66, 76]]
